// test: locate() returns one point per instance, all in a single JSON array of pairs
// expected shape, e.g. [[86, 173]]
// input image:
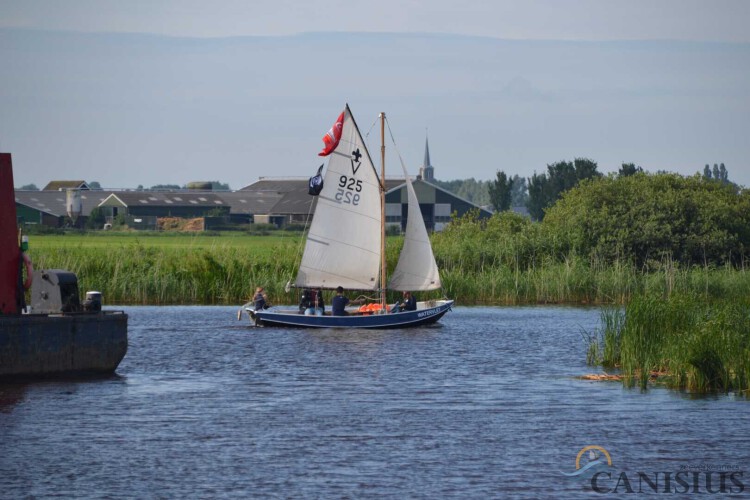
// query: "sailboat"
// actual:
[[345, 244]]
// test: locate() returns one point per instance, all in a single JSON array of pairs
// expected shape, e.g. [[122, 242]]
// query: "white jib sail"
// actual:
[[416, 269], [343, 244]]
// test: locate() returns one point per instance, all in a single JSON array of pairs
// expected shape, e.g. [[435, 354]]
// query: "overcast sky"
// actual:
[[663, 84], [715, 20]]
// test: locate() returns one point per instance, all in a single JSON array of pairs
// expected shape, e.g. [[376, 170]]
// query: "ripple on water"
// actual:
[[485, 403]]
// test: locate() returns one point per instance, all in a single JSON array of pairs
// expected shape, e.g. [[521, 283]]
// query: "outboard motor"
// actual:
[[93, 302], [55, 291]]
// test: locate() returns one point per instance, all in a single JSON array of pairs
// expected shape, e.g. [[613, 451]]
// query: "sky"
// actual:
[[169, 92]]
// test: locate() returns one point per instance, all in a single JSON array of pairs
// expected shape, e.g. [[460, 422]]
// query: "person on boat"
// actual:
[[318, 304], [409, 303], [339, 303], [260, 299], [305, 302]]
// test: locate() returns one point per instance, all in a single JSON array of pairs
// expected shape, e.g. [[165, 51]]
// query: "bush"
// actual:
[[649, 217]]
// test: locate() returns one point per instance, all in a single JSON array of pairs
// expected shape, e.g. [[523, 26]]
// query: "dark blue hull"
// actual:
[[407, 319]]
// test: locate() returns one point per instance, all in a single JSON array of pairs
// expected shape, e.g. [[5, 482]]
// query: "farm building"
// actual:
[[49, 207], [277, 201], [295, 205]]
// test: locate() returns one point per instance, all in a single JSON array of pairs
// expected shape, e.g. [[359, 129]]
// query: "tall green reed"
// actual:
[[693, 342]]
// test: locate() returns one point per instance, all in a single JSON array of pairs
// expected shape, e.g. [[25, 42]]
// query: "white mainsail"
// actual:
[[343, 244], [416, 269]]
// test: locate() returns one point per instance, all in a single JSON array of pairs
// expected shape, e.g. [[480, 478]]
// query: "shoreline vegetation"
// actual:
[[684, 341], [132, 269]]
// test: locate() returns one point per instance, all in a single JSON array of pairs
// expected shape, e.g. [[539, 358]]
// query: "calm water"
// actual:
[[486, 404]]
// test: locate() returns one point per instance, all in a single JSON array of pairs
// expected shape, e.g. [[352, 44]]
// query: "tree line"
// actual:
[[542, 190], [636, 217]]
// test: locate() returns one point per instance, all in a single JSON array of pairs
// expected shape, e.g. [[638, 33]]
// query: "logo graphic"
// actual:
[[597, 457], [356, 155], [594, 465]]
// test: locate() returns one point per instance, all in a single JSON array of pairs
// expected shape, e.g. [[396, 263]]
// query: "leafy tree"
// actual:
[[165, 187], [538, 195], [94, 186], [500, 192], [628, 169], [29, 187], [718, 173], [96, 219], [546, 189], [649, 217]]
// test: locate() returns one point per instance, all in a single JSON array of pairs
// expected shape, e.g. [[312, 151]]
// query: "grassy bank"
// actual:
[[688, 341], [171, 270], [138, 269]]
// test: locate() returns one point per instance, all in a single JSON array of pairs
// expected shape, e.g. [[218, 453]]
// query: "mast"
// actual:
[[382, 215]]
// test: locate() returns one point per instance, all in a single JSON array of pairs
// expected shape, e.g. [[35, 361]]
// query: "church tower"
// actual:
[[426, 171]]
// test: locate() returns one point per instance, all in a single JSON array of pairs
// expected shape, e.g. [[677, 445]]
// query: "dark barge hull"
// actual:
[[46, 344]]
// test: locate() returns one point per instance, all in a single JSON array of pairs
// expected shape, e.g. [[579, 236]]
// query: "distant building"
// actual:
[[436, 204], [187, 204], [48, 207], [277, 201], [296, 206]]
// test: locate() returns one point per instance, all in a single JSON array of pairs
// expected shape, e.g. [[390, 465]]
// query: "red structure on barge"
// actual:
[[58, 335]]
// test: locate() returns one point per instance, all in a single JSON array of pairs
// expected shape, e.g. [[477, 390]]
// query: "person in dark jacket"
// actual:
[[305, 302], [339, 302], [260, 299], [409, 303]]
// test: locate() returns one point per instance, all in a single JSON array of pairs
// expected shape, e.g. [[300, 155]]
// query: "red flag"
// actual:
[[332, 138]]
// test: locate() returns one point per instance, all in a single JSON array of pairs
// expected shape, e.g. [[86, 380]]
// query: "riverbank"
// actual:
[[224, 270]]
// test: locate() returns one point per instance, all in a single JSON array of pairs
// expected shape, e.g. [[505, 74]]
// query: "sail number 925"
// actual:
[[349, 189]]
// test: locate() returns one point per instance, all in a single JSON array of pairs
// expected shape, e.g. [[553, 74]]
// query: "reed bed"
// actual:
[[146, 271], [692, 342], [136, 273]]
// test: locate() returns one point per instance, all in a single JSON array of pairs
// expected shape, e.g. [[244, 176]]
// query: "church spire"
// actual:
[[427, 172], [426, 153]]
